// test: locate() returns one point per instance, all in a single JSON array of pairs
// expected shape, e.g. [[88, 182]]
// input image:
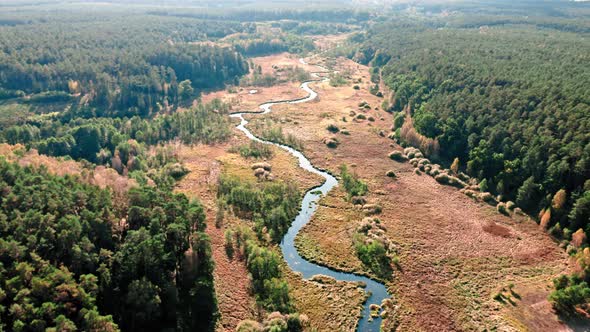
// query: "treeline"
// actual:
[[265, 44], [119, 141], [264, 14], [511, 103], [122, 65], [312, 28], [70, 260]]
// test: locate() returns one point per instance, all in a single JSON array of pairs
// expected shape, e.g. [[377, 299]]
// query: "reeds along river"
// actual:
[[377, 291]]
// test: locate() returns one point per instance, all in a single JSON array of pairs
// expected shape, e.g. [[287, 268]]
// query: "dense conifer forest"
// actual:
[[486, 91], [510, 102], [507, 101], [64, 266]]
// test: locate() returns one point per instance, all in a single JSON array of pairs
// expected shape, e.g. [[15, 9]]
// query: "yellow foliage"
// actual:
[[455, 166], [74, 86], [546, 219], [408, 134], [559, 199], [579, 238]]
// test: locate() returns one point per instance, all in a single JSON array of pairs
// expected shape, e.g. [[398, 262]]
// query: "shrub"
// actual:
[[483, 185], [331, 142], [390, 174], [569, 293], [249, 326], [442, 178], [264, 165], [374, 255], [372, 119], [176, 170], [410, 152], [358, 200], [423, 161], [360, 116], [272, 206], [352, 185], [450, 180], [220, 214], [397, 156], [333, 128], [501, 207], [256, 150], [344, 132], [337, 80], [398, 120], [371, 209], [356, 87], [229, 245]]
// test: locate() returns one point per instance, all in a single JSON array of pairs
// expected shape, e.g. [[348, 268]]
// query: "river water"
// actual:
[[376, 291]]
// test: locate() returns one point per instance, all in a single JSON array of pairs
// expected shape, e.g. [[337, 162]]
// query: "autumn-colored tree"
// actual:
[[579, 238], [546, 219], [559, 199], [455, 166]]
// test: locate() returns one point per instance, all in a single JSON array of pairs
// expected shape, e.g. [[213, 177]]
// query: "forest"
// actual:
[[498, 95], [65, 267], [115, 64], [114, 89], [509, 103]]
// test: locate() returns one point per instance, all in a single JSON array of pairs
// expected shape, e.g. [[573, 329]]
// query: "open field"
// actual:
[[244, 98]]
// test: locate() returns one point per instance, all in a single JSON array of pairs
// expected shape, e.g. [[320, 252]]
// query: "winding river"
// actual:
[[376, 291]]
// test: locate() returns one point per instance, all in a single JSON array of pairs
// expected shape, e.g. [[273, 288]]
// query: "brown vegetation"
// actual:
[[101, 176], [454, 251], [412, 137]]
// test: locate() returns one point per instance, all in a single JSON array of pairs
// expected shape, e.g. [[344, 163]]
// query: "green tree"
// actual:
[[185, 90], [528, 195], [143, 304], [580, 213]]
